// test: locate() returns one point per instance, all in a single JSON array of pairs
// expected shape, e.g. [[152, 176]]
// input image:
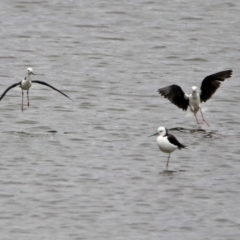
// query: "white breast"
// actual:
[[165, 145], [194, 103], [26, 84]]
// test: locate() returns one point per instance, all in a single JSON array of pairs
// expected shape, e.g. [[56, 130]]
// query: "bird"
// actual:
[[209, 86], [167, 142], [26, 84]]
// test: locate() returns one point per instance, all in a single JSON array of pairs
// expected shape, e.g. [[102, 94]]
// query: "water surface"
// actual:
[[87, 169]]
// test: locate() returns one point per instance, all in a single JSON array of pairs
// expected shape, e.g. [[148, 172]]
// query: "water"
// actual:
[[87, 169]]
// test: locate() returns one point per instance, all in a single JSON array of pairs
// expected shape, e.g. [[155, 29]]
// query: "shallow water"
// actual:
[[87, 169]]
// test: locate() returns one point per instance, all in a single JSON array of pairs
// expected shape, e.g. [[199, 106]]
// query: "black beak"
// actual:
[[33, 73], [155, 134]]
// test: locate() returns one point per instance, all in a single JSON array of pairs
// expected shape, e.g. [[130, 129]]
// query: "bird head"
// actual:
[[194, 88], [162, 131], [30, 71]]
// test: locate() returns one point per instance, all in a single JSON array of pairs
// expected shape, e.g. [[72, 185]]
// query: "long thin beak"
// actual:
[[155, 134], [33, 73]]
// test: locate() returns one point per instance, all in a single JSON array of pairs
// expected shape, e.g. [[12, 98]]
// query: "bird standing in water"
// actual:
[[26, 84], [210, 84], [167, 142]]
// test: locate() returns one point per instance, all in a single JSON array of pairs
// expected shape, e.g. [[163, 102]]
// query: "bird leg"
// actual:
[[167, 162], [28, 98], [22, 99], [203, 117], [197, 120]]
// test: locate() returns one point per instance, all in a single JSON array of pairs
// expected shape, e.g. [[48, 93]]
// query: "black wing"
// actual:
[[175, 95], [211, 83], [175, 142], [46, 84], [12, 86]]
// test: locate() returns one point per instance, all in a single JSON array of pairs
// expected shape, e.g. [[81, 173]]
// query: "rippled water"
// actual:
[[87, 169]]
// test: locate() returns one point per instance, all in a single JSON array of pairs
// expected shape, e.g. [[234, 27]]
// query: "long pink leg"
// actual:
[[22, 99], [203, 117], [28, 98], [197, 120], [167, 162]]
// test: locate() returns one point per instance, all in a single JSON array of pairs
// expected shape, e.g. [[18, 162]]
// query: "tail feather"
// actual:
[[181, 146]]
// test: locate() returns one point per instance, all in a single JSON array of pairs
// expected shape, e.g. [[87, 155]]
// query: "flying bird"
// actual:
[[167, 143], [209, 86], [26, 84]]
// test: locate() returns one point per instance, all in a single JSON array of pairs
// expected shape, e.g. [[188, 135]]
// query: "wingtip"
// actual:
[[162, 91], [69, 97], [229, 73]]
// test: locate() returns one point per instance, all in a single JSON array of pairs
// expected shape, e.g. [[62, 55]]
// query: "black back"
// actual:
[[175, 95], [175, 142]]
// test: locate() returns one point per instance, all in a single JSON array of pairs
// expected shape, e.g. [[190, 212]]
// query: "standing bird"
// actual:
[[210, 84], [166, 142], [26, 84]]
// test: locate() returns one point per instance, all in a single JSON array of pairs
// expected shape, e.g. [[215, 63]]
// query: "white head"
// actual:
[[162, 131], [194, 88], [30, 71]]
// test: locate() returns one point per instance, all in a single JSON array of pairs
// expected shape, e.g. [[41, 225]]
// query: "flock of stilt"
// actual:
[[174, 93]]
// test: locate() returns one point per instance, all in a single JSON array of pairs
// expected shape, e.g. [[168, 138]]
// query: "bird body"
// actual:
[[26, 84], [194, 101], [210, 84], [166, 142]]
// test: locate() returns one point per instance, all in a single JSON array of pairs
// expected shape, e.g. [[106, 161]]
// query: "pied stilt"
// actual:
[[26, 84], [209, 85], [167, 142]]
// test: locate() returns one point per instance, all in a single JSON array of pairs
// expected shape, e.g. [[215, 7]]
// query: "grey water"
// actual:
[[87, 169]]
